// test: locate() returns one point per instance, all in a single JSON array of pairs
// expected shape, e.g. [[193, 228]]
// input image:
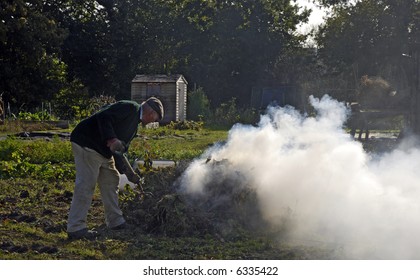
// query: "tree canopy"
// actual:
[[370, 36], [65, 50], [223, 46]]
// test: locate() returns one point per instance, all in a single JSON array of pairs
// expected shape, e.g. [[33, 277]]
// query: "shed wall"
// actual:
[[172, 95]]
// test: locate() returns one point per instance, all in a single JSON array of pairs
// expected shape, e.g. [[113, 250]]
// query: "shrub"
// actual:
[[73, 102], [38, 116], [198, 105], [186, 125], [227, 114]]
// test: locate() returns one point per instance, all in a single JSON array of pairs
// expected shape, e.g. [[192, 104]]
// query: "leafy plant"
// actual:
[[185, 125], [37, 151], [227, 114], [38, 116], [198, 107], [20, 167]]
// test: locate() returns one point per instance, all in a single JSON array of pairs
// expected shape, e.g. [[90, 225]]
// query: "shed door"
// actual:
[[272, 95], [153, 89]]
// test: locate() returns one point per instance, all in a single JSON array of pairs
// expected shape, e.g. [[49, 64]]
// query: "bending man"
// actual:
[[94, 140]]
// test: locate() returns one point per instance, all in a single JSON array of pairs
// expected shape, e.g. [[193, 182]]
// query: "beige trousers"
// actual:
[[92, 168]]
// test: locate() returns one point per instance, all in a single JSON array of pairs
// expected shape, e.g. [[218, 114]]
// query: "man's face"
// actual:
[[149, 115]]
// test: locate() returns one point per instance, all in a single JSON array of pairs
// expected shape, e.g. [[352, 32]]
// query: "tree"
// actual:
[[112, 41], [370, 35], [52, 47], [30, 39], [238, 44]]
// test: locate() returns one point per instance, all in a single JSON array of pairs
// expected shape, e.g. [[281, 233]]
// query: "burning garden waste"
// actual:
[[304, 178]]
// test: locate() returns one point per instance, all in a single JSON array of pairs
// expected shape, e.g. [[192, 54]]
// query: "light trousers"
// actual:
[[92, 168]]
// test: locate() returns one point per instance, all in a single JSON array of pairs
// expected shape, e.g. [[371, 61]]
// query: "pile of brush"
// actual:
[[227, 208]]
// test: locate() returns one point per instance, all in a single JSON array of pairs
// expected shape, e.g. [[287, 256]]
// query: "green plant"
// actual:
[[185, 125], [7, 148], [41, 159], [20, 167], [38, 116], [198, 105], [37, 151], [227, 114]]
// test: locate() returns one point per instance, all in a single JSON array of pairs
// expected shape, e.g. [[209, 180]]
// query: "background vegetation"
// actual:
[[66, 51]]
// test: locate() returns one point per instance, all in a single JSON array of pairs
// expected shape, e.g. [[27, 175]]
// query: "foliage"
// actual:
[[30, 41], [228, 114], [76, 105], [36, 151], [38, 116], [48, 160], [185, 125], [71, 102], [198, 107], [20, 167], [329, 3], [369, 37], [238, 43], [66, 51]]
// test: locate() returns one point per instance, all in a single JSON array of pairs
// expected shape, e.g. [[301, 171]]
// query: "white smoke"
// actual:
[[309, 168]]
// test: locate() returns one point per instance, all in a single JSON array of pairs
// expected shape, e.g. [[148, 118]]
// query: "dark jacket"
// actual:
[[119, 120]]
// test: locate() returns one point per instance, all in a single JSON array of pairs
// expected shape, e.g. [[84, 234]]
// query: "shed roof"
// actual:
[[159, 78]]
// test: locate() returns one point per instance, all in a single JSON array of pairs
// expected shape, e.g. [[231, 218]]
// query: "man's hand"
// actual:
[[115, 145], [133, 178]]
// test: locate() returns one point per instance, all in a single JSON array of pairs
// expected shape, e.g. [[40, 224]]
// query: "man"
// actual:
[[94, 141]]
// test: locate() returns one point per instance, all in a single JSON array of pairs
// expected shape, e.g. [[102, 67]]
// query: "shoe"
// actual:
[[120, 227], [83, 234]]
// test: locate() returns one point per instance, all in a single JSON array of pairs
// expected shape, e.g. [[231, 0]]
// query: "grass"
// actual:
[[175, 145], [36, 194]]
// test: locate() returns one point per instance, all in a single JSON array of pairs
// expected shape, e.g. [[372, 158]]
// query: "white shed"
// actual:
[[170, 89]]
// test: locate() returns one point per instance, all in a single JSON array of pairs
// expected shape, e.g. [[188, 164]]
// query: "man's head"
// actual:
[[152, 110]]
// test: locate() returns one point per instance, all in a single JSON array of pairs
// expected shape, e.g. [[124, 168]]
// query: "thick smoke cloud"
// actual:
[[309, 170]]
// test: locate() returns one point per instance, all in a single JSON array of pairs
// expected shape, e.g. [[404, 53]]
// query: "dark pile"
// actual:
[[228, 207]]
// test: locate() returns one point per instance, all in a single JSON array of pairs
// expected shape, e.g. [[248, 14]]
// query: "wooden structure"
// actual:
[[380, 105], [278, 95], [170, 89], [362, 121], [376, 101]]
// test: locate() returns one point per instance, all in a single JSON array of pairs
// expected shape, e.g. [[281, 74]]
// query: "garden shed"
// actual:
[[170, 89], [263, 96]]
